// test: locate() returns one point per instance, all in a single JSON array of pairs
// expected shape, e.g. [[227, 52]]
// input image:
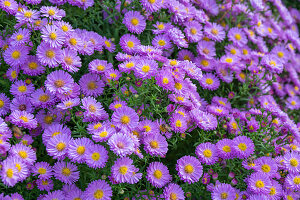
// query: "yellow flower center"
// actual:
[[19, 37], [125, 119], [238, 37], [154, 144], [18, 166], [1, 103], [92, 85], [48, 119], [92, 108], [134, 21], [9, 173], [66, 171], [205, 51], [224, 195], [289, 197], [157, 174], [207, 153], [272, 62], [24, 118], [23, 154], [22, 88], [100, 67], [294, 162], [146, 68], [272, 191], [205, 63], [65, 28], [98, 194], [259, 184], [266, 168], [42, 170], [50, 54], [123, 170], [107, 43], [161, 26], [178, 86], [68, 60], [44, 182], [178, 123], [103, 134], [59, 83], [280, 54], [209, 81], [226, 149], [173, 196], [95, 156], [28, 14], [73, 41], [229, 60], [173, 63], [193, 31], [16, 54], [32, 65], [165, 80], [53, 36], [151, 1], [80, 150], [130, 44], [242, 146], [179, 98], [44, 98], [7, 3], [293, 103], [214, 31], [51, 12], [270, 30], [189, 169], [60, 146], [161, 43], [129, 65]]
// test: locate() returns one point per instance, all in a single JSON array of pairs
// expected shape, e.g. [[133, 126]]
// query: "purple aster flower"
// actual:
[[4, 104], [185, 54], [129, 43], [161, 27], [23, 152], [209, 81], [204, 120], [42, 99], [122, 170], [12, 73], [59, 82], [21, 103], [27, 16], [93, 110], [98, 189], [215, 32], [293, 103], [206, 49], [8, 173], [103, 133], [178, 123], [134, 21], [252, 125], [176, 35], [173, 191], [217, 110], [77, 149], [68, 103], [189, 169], [117, 105], [125, 118], [16, 196], [205, 64], [66, 27], [70, 60], [57, 194], [109, 45], [275, 190], [20, 37], [121, 144], [293, 181], [162, 42], [193, 31], [16, 56], [66, 172], [23, 119], [53, 36], [223, 191], [272, 63], [21, 166], [224, 73], [48, 55], [112, 75], [164, 79], [237, 36], [74, 194], [33, 67], [128, 66], [224, 149], [96, 156], [99, 66], [44, 184], [58, 146], [291, 162], [20, 87], [9, 6], [52, 12], [158, 174], [243, 146], [155, 144], [266, 165], [74, 42], [91, 85], [259, 183], [146, 68], [207, 153], [152, 5], [43, 170]]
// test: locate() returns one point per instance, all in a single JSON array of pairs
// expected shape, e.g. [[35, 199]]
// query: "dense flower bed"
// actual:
[[149, 99]]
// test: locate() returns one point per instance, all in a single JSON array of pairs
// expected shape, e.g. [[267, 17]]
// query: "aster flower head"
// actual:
[[59, 82], [77, 149], [96, 156], [272, 63], [223, 191], [146, 68], [4, 104], [125, 118], [162, 42], [32, 67], [99, 66], [42, 99], [134, 21], [70, 60], [122, 170], [9, 6], [224, 149], [27, 16], [53, 36], [103, 133], [129, 43], [23, 119], [20, 37], [293, 181], [259, 183], [52, 12], [243, 146], [207, 153], [173, 191], [206, 49], [158, 174], [23, 152], [121, 144], [155, 144], [266, 165], [58, 146], [16, 56], [45, 184], [215, 32], [152, 5], [291, 162], [91, 85], [68, 104], [48, 55], [237, 36], [21, 103], [178, 123], [21, 88], [189, 169], [98, 189], [117, 105], [193, 31], [209, 81], [204, 120], [9, 173], [66, 172], [43, 170]]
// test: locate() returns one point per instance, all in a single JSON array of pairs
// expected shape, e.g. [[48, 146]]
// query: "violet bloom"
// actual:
[[189, 169]]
